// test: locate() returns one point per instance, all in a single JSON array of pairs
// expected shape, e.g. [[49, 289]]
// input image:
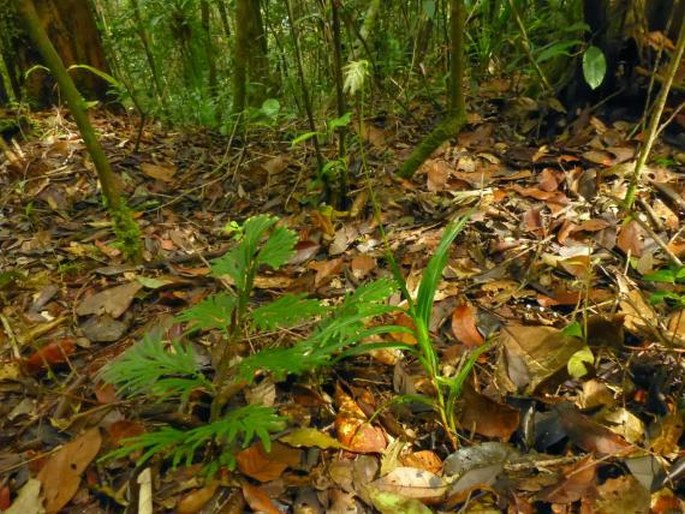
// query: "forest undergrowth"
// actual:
[[541, 369]]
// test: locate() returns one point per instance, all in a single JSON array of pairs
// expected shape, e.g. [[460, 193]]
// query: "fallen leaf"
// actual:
[[574, 484], [52, 354], [61, 474], [412, 483], [163, 173], [258, 500], [326, 269], [28, 500], [264, 466], [113, 301], [464, 326], [588, 434], [619, 495], [423, 459], [485, 416], [193, 501], [536, 353], [311, 437]]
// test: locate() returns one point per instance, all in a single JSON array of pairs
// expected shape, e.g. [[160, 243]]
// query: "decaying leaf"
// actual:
[[61, 474]]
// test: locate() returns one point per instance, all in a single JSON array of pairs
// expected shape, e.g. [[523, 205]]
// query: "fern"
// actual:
[[345, 328], [238, 428], [147, 368], [213, 312], [287, 311]]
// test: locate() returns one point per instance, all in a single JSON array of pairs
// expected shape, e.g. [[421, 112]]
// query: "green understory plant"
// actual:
[[168, 371], [674, 275], [448, 389]]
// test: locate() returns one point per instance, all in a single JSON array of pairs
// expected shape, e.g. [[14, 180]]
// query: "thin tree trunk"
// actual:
[[456, 116], [125, 227]]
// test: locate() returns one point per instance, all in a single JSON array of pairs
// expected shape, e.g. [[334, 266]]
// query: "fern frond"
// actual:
[[278, 249], [238, 428], [344, 329], [213, 312], [287, 311], [148, 368]]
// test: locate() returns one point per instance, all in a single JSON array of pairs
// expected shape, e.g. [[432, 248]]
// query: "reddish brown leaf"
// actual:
[[589, 435], [576, 481], [326, 269], [424, 459], [5, 499], [61, 474], [256, 463], [195, 500], [630, 239], [258, 500], [485, 416], [52, 354], [464, 326]]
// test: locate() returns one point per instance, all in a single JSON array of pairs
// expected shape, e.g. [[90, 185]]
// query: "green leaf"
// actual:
[[556, 49], [148, 368], [577, 363], [238, 262], [594, 66], [240, 426], [214, 312], [103, 75], [278, 249], [433, 272], [661, 296], [573, 329], [270, 108], [662, 275], [429, 8], [342, 121], [302, 138], [287, 311], [311, 438]]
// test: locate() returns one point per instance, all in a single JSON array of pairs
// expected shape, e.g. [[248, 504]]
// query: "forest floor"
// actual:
[[547, 263]]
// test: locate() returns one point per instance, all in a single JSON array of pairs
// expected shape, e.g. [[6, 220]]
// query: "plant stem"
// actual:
[[652, 130]]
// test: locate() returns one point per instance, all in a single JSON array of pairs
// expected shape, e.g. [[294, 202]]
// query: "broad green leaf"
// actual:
[[577, 363], [594, 66], [103, 75], [429, 8], [270, 108], [342, 121], [556, 49]]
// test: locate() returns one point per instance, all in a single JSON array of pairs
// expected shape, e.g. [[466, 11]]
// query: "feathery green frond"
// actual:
[[213, 312], [148, 368], [278, 249], [238, 428], [287, 311]]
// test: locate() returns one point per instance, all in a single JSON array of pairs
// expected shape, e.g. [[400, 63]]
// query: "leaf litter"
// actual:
[[546, 251]]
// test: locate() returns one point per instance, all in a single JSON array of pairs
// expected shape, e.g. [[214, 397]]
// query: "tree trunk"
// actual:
[[456, 116], [125, 228], [71, 27], [250, 63]]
